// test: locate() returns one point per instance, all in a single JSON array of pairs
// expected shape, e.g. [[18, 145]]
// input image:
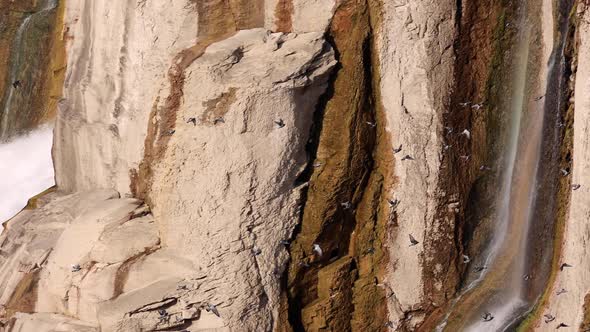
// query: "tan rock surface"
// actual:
[[416, 81]]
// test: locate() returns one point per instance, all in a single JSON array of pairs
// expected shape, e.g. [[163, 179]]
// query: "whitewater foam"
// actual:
[[26, 169]]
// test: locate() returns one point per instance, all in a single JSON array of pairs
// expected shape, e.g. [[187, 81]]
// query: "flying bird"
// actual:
[[346, 205], [527, 277], [162, 312], [218, 120], [539, 98], [465, 158], [284, 242], [564, 265], [465, 104], [398, 149], [564, 172], [476, 107], [318, 250], [76, 267], [466, 259], [467, 133], [576, 186], [393, 202], [407, 157], [413, 241], [280, 123], [561, 325], [16, 84], [170, 132], [192, 120], [484, 168], [480, 268], [487, 317], [372, 124], [256, 251], [549, 318], [317, 164], [561, 291], [212, 308]]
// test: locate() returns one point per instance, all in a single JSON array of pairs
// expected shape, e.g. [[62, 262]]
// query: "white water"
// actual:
[[26, 169]]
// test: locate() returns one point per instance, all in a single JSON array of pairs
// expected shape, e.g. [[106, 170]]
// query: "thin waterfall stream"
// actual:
[[18, 60], [25, 155], [516, 262]]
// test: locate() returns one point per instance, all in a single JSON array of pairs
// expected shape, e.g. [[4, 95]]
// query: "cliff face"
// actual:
[[283, 165]]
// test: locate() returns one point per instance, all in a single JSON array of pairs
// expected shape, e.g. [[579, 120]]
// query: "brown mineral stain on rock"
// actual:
[[338, 291], [43, 75], [218, 107], [215, 24], [585, 326], [284, 16], [55, 71], [24, 297]]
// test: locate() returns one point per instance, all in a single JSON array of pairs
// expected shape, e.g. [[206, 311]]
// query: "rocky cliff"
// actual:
[[291, 165]]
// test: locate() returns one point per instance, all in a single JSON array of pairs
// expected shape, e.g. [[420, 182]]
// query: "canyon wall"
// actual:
[[272, 165]]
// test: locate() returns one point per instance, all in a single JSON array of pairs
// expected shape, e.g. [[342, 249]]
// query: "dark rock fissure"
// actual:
[[357, 175]]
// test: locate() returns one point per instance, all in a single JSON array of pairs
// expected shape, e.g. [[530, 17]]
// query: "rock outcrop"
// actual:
[[278, 165]]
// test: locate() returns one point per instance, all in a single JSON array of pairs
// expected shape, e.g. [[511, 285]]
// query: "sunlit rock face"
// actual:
[[281, 165]]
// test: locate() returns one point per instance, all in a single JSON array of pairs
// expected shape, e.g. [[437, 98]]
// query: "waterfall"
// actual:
[[18, 58], [27, 169]]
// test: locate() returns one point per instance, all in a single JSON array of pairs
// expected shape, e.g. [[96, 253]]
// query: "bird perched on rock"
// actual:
[[466, 259], [549, 318], [284, 242], [576, 186], [162, 312], [398, 149], [407, 157], [487, 317], [170, 132], [561, 291], [76, 267], [192, 120], [256, 251], [317, 164], [484, 168], [413, 241], [539, 98], [476, 107], [561, 325], [527, 277], [372, 124], [280, 123], [318, 250], [564, 265], [465, 104], [218, 120], [466, 133], [564, 172], [212, 308]]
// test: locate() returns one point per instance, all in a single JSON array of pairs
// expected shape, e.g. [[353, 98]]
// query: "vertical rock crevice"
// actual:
[[344, 211]]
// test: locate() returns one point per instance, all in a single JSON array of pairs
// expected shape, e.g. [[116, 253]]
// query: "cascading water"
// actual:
[[26, 167], [18, 59], [513, 280]]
